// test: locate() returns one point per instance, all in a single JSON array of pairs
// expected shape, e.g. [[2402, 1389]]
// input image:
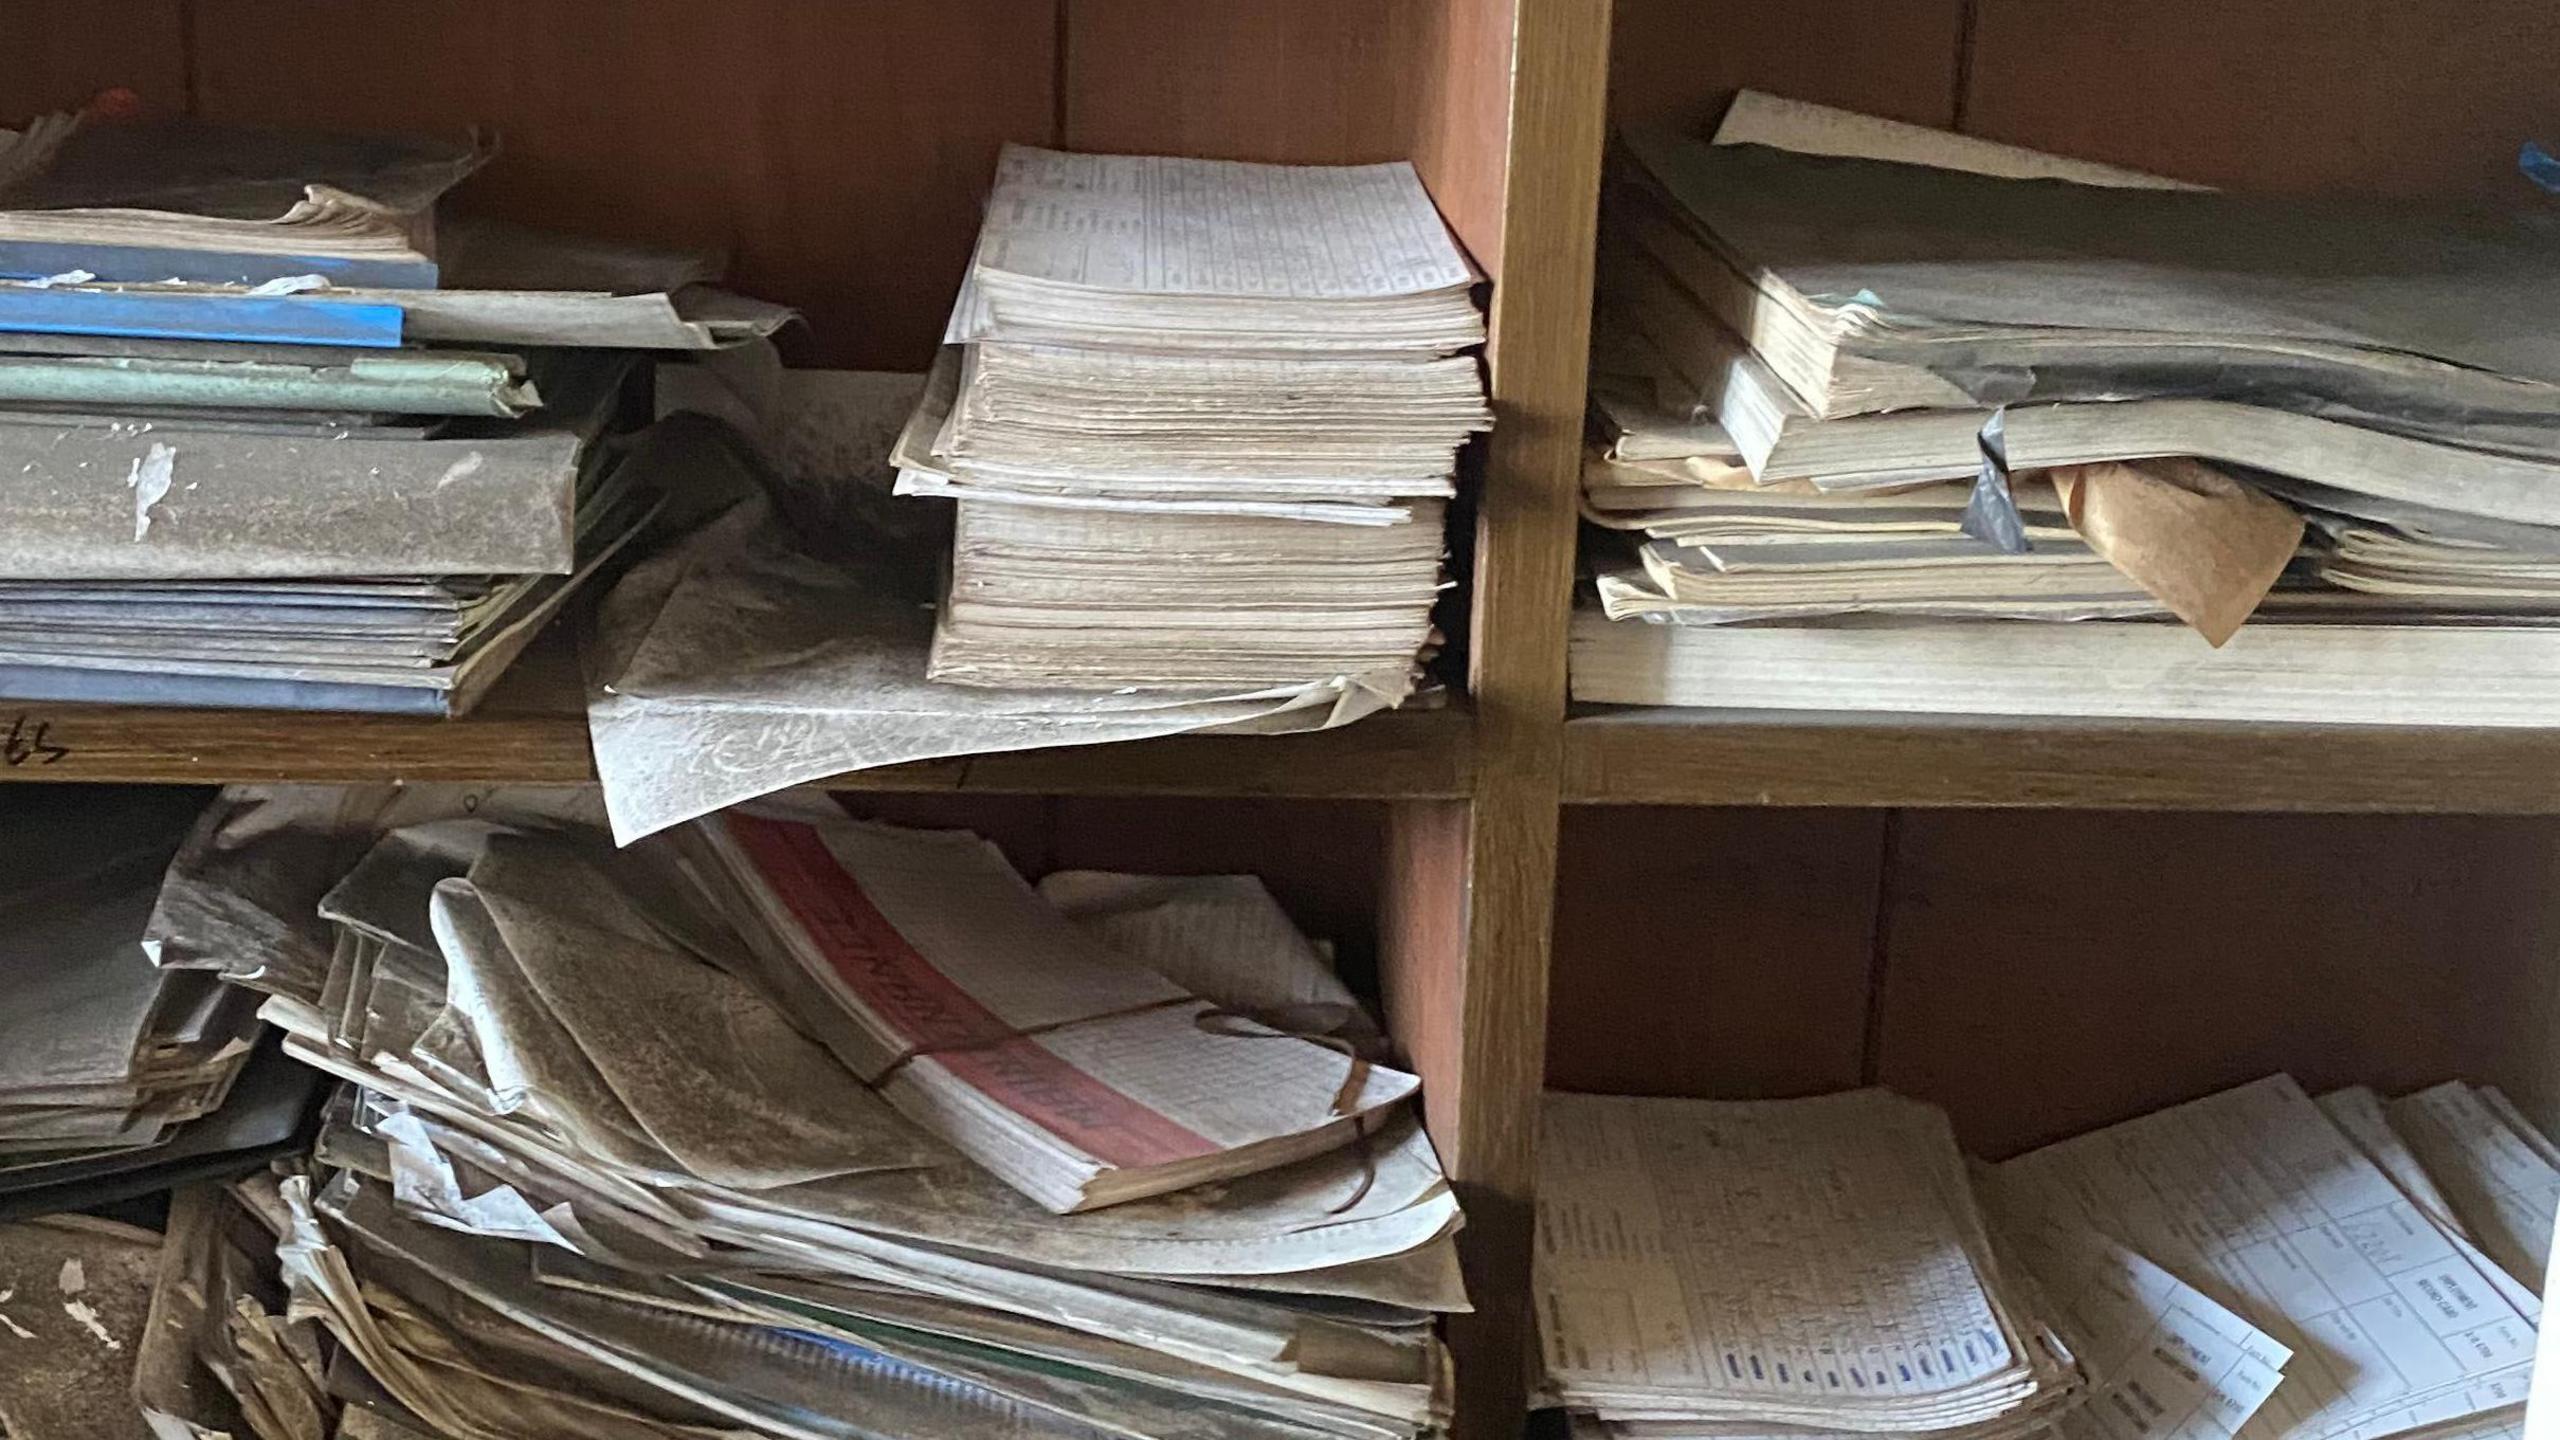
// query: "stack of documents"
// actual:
[[2254, 1265], [1081, 1077], [788, 640], [1710, 1268], [2261, 1200], [1889, 338], [538, 1163], [1714, 556], [2312, 672], [118, 1078], [1201, 419], [147, 200], [238, 478]]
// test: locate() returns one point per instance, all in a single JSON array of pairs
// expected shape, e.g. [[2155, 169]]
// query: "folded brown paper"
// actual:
[[2205, 545]]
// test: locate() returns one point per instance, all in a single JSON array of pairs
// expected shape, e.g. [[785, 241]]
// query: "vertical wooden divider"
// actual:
[[1468, 906]]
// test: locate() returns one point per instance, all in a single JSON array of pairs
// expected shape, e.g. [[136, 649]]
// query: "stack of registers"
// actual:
[[271, 434], [118, 1078], [791, 1125], [1887, 419], [2253, 1264], [1201, 420]]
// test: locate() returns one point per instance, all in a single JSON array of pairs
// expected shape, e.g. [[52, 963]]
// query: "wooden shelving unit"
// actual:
[[1798, 903], [839, 153]]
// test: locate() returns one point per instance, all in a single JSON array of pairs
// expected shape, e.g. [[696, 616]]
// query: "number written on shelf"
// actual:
[[30, 742]]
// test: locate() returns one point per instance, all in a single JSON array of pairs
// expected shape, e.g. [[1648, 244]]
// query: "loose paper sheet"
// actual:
[[2358, 1111], [2207, 545]]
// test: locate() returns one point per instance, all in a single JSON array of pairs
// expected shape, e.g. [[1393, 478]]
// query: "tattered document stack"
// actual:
[[2259, 1199], [788, 640], [238, 477], [1082, 1077], [1201, 421], [2103, 389], [117, 1078], [1708, 1268], [1718, 556], [540, 1165]]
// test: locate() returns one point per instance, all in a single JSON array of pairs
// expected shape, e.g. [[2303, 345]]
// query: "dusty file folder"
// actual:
[[226, 204], [539, 1164]]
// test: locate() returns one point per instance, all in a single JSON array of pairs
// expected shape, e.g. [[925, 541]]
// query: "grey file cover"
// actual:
[[162, 502], [1954, 248], [2444, 326]]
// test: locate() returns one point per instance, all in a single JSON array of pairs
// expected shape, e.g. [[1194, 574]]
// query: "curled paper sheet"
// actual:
[[737, 665], [429, 1189]]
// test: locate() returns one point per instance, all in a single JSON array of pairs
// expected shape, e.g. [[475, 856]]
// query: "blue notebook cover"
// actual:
[[151, 264], [66, 685], [174, 315]]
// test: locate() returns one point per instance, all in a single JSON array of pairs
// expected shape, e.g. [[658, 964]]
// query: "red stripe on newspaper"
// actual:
[[938, 1018]]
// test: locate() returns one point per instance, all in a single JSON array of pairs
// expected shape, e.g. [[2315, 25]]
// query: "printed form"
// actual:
[[2255, 1198], [2506, 1192], [2164, 1361], [1760, 1251]]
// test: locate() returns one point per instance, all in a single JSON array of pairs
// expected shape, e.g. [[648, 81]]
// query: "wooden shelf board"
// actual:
[[1706, 757], [531, 732]]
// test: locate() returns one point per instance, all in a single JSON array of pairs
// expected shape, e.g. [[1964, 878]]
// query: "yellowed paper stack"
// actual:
[[1713, 1268], [1201, 419], [605, 1162], [1081, 1077], [1889, 392]]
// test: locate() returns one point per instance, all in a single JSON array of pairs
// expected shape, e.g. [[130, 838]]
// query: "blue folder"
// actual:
[[178, 315]]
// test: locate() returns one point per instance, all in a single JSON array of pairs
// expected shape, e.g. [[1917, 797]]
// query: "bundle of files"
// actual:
[[1711, 1268], [1201, 420], [786, 639], [118, 1078], [1865, 400], [959, 1210], [2253, 1264], [274, 436]]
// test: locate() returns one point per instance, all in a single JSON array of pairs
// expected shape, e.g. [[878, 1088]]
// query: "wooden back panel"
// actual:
[[837, 153], [1714, 952], [2047, 973], [2040, 973], [2373, 96], [2360, 96], [1677, 62]]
